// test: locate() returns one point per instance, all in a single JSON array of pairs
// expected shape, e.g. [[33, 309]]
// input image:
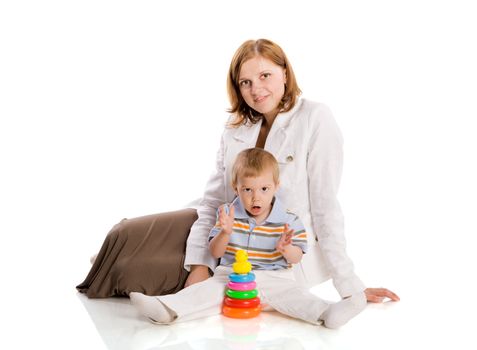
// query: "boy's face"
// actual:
[[256, 194]]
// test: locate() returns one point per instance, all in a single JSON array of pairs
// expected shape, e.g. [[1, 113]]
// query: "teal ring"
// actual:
[[242, 277]]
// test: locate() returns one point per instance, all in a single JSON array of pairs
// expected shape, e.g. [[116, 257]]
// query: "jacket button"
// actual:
[[290, 159]]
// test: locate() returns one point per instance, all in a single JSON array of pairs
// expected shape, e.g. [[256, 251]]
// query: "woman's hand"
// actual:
[[198, 273], [377, 295]]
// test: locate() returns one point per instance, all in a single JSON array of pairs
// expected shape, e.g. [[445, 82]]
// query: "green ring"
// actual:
[[242, 294]]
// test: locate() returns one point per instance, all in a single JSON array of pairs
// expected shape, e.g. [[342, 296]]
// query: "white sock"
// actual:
[[341, 312], [151, 307]]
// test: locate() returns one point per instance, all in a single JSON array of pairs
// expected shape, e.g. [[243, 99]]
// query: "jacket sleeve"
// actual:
[[197, 251], [325, 163]]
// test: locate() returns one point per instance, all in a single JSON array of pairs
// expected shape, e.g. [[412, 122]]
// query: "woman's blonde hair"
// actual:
[[269, 50], [252, 162]]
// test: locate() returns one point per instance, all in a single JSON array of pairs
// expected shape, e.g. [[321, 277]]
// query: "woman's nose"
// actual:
[[256, 86]]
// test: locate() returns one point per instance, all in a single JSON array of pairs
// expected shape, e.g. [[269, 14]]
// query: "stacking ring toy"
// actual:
[[246, 294], [242, 286], [240, 312], [242, 302], [247, 277]]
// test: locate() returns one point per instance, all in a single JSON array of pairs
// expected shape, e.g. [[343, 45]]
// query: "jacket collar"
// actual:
[[283, 119], [248, 133]]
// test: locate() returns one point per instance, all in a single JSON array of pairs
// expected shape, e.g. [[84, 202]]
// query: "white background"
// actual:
[[113, 109]]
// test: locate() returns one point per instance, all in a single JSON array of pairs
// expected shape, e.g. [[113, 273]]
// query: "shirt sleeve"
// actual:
[[216, 229], [325, 163], [197, 251], [299, 238]]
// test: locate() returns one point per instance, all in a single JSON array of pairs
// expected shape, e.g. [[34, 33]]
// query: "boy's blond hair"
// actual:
[[253, 162]]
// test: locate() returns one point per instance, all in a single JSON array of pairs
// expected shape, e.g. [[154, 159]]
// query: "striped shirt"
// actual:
[[259, 241]]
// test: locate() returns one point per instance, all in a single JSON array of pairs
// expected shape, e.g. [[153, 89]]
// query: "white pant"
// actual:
[[277, 289]]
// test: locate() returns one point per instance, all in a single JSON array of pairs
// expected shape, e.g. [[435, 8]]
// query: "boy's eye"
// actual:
[[246, 190], [264, 189]]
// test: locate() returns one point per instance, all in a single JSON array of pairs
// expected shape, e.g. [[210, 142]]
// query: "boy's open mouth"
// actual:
[[255, 209]]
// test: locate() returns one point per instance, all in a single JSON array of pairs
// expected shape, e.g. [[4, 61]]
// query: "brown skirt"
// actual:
[[144, 254]]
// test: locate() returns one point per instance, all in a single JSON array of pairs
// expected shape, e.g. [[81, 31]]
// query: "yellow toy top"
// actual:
[[241, 265]]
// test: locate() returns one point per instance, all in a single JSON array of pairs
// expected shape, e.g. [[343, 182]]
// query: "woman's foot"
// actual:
[[340, 313]]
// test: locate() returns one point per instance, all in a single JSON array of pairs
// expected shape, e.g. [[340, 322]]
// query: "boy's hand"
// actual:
[[285, 239], [226, 218]]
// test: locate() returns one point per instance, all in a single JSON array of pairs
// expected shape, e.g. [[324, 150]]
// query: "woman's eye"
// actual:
[[266, 75], [244, 83]]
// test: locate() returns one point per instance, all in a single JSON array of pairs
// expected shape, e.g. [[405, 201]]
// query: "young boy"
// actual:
[[273, 238]]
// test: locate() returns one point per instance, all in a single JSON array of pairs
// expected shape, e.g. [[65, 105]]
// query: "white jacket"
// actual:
[[308, 146]]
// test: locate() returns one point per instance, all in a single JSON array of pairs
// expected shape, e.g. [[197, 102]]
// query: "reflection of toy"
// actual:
[[241, 300], [242, 334]]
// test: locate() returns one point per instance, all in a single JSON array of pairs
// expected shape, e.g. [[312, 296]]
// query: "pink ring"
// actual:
[[242, 286]]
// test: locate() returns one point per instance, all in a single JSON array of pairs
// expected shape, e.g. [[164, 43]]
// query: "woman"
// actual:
[[266, 112]]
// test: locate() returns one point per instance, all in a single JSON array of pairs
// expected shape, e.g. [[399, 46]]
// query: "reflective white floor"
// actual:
[[390, 325], [41, 308], [433, 276]]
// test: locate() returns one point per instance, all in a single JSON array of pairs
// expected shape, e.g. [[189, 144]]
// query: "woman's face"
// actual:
[[262, 85]]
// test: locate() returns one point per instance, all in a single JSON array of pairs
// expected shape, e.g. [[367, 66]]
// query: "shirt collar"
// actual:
[[276, 215]]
